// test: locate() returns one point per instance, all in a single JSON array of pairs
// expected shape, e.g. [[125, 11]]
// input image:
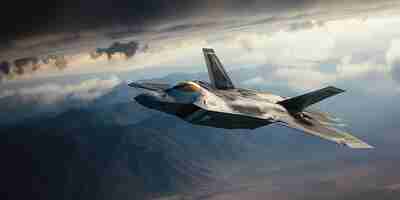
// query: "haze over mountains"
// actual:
[[111, 147]]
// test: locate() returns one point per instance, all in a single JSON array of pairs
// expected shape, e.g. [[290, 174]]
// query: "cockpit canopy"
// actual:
[[185, 92], [186, 87]]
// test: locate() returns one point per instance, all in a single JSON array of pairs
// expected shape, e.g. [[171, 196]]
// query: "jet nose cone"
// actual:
[[149, 101], [144, 99]]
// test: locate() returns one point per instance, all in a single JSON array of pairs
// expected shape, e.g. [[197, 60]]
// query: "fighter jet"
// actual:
[[220, 104]]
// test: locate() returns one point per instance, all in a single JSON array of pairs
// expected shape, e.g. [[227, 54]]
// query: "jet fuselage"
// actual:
[[197, 102]]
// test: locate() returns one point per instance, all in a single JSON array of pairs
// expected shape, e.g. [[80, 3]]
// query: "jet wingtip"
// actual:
[[135, 84], [353, 142], [359, 145], [335, 89]]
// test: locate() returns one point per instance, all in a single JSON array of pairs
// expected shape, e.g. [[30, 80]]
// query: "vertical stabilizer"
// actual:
[[217, 74]]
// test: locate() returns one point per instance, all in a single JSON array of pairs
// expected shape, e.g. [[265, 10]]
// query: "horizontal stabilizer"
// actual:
[[299, 103]]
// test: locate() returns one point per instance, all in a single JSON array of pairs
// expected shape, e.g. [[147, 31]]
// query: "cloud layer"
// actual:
[[309, 47], [52, 98], [57, 63]]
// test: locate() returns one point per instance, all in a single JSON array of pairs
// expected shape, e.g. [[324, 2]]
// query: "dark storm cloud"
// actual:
[[55, 16], [60, 16], [26, 65], [128, 49], [5, 67], [37, 64], [29, 65], [58, 61], [189, 26]]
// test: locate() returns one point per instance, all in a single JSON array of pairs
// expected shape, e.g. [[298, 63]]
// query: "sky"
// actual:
[[63, 86], [352, 39]]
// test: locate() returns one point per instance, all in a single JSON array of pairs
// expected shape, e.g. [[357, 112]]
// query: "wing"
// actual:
[[321, 125], [150, 86], [217, 74]]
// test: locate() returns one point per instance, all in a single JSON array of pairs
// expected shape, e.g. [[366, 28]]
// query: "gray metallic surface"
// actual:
[[221, 105]]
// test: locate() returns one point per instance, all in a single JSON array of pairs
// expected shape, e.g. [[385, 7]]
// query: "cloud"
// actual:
[[53, 93], [346, 69], [304, 25], [304, 78], [393, 59], [340, 51], [281, 46], [286, 39], [396, 70], [45, 40], [5, 68], [292, 77], [25, 67], [127, 49], [255, 81], [52, 97]]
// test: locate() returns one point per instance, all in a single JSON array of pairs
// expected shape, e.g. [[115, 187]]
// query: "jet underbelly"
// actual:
[[225, 120], [223, 116]]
